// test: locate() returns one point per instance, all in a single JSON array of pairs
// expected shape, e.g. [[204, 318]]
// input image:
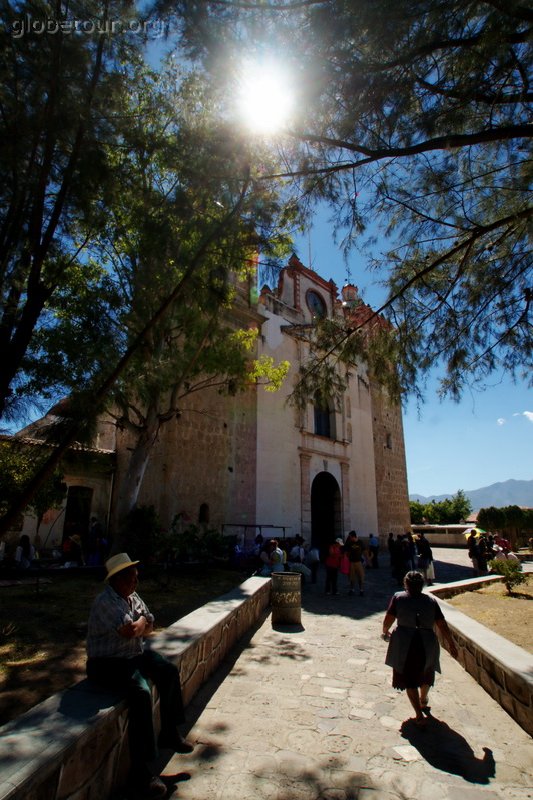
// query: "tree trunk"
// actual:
[[130, 481]]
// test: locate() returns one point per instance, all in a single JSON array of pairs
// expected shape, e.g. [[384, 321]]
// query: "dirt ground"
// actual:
[[510, 616], [43, 629]]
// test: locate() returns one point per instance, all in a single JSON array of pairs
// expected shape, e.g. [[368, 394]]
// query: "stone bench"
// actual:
[[74, 744]]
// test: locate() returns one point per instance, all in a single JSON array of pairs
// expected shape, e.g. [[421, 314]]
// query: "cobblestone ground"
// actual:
[[308, 713]]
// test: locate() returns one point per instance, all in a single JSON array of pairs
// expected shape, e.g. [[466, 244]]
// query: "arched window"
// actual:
[[324, 419], [203, 514]]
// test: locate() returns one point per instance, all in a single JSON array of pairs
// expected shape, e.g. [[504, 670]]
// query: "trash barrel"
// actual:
[[286, 598]]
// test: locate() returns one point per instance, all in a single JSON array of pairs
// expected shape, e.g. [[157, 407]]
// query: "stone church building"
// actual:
[[253, 462]]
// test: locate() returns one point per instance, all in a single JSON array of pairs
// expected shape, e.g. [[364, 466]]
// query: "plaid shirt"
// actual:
[[110, 612]]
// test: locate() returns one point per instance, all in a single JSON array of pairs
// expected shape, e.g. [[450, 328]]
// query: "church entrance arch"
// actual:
[[326, 517]]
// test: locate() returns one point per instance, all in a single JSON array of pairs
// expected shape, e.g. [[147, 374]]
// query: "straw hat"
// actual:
[[117, 563]]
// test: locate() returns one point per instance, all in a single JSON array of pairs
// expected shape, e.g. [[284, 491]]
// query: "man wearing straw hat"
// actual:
[[118, 623]]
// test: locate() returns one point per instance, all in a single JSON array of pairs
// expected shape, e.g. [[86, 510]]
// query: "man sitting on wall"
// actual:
[[117, 659]]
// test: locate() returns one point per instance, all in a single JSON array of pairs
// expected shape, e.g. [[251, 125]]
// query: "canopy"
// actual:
[[476, 531]]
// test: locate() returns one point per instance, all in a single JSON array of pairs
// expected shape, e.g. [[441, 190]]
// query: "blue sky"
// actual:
[[486, 438]]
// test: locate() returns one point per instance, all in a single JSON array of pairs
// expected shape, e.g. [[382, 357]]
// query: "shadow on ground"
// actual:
[[447, 750]]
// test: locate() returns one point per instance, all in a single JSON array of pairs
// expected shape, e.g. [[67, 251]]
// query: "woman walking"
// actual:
[[413, 651]]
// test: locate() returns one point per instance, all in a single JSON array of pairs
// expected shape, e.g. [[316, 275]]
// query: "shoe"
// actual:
[[176, 743], [146, 786], [361, 593], [351, 591]]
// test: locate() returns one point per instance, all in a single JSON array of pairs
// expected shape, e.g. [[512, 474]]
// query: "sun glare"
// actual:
[[265, 100]]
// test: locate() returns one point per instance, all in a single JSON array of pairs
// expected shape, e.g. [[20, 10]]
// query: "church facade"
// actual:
[[326, 469], [253, 462]]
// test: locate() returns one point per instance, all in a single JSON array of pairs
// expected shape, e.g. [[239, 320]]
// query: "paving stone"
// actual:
[[406, 752]]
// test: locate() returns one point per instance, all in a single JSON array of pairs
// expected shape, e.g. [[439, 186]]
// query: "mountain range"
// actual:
[[499, 495]]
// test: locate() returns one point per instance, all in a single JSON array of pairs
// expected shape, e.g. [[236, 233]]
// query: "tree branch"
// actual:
[[481, 230]]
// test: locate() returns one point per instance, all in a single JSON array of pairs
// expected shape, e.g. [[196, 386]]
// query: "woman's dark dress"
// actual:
[[413, 651]]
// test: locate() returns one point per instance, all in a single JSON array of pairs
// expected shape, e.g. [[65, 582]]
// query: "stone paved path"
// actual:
[[309, 714]]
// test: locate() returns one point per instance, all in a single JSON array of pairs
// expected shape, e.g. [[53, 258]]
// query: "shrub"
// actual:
[[510, 570], [144, 533], [194, 543]]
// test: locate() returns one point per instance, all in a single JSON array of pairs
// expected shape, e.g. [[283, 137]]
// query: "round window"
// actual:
[[316, 304]]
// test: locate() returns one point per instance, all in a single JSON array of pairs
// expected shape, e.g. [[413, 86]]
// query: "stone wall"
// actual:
[[207, 456], [504, 670], [390, 465], [73, 746]]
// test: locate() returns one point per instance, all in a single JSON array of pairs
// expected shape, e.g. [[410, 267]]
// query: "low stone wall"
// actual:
[[502, 668], [73, 746]]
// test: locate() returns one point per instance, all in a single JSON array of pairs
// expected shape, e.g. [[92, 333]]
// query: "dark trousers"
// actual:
[[331, 579], [130, 676]]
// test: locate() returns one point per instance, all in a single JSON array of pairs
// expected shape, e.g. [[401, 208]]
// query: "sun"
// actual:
[[265, 99]]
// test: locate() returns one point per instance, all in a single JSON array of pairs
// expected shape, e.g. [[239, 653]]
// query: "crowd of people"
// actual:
[[408, 552], [90, 548], [349, 557], [484, 547]]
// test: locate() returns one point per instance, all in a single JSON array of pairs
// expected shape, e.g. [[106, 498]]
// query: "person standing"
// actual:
[[391, 545], [119, 622], [425, 559], [333, 562], [313, 562], [354, 549], [94, 539], [473, 552], [373, 546], [25, 552], [413, 651], [484, 553], [278, 557]]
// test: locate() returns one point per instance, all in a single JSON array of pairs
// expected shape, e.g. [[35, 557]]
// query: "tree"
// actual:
[[185, 183], [461, 506], [511, 520], [17, 464], [180, 215], [491, 519], [415, 117], [62, 96], [450, 511], [417, 512]]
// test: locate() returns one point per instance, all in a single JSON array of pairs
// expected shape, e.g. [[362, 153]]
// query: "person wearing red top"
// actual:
[[333, 562]]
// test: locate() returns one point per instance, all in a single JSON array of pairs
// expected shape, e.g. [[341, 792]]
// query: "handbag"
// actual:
[[345, 564]]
